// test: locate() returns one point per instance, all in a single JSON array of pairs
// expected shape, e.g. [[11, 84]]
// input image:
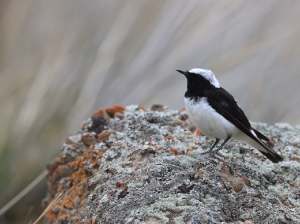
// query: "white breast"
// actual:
[[208, 121]]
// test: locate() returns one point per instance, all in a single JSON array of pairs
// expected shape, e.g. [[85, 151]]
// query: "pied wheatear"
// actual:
[[217, 114]]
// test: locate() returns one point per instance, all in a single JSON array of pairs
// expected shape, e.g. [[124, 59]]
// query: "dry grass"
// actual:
[[59, 61]]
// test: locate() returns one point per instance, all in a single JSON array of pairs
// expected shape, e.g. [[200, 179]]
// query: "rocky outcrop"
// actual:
[[148, 168]]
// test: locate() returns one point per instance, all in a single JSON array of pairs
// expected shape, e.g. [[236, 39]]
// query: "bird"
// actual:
[[216, 113]]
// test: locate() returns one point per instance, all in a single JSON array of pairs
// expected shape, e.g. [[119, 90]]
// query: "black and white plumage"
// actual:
[[217, 114]]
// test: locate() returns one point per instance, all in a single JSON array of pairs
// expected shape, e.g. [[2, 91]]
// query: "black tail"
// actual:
[[271, 154]]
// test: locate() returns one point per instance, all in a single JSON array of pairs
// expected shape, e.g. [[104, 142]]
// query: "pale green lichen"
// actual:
[[161, 186]]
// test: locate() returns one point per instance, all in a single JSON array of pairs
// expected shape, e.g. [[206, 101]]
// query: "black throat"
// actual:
[[196, 86]]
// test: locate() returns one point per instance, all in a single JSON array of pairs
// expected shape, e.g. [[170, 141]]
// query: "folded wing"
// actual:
[[224, 103]]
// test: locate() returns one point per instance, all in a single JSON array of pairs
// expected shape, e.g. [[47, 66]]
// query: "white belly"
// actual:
[[208, 121]]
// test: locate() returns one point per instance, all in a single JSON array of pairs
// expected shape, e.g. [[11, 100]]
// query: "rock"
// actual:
[[284, 126], [296, 158], [114, 109], [148, 168], [88, 138], [101, 112], [157, 107], [119, 115], [96, 124], [237, 183], [104, 136], [192, 128]]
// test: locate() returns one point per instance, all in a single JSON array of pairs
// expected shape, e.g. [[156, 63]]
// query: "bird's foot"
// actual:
[[213, 152]]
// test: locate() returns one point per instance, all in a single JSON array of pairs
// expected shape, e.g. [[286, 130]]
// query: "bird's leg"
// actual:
[[217, 151], [216, 142], [221, 146]]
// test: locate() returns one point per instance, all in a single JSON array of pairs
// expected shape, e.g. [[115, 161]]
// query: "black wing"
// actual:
[[224, 103]]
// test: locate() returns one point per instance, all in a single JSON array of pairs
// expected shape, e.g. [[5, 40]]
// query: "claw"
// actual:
[[213, 152]]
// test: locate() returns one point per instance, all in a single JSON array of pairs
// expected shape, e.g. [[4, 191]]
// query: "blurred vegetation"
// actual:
[[62, 60]]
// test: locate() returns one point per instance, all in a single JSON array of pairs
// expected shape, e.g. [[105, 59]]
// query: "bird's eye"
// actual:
[[198, 78]]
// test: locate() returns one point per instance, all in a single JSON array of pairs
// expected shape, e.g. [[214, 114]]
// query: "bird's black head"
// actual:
[[198, 79]]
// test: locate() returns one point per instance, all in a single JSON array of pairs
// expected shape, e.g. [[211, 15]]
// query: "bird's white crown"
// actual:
[[207, 74]]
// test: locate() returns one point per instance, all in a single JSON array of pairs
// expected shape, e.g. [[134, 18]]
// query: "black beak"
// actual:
[[182, 72]]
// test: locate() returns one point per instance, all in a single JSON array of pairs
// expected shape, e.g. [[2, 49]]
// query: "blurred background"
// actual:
[[62, 60]]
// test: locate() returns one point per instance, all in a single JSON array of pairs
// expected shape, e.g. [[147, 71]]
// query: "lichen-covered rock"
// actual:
[[164, 178]]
